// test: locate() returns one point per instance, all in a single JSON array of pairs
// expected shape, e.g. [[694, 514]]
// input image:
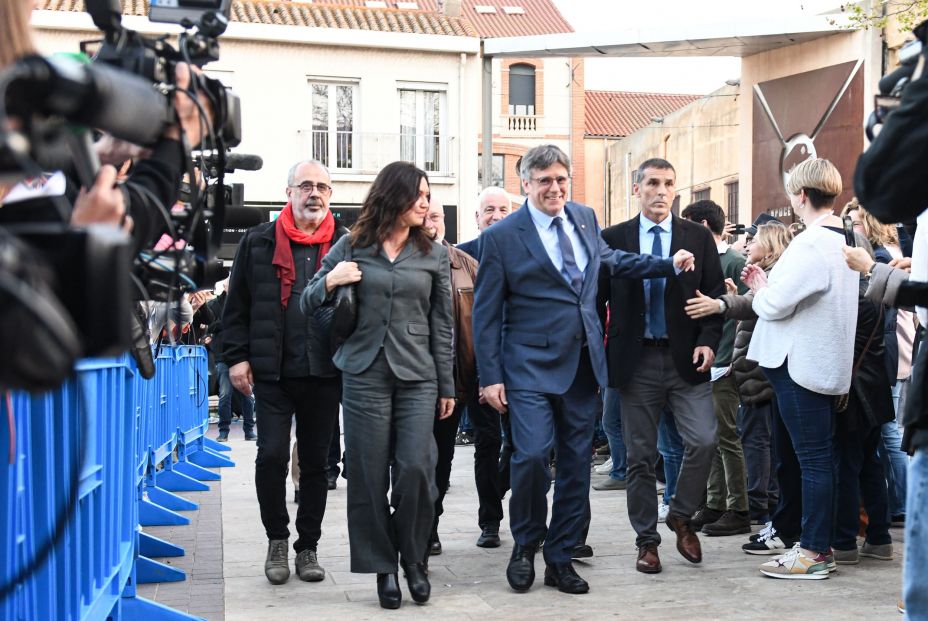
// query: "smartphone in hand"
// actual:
[[849, 232]]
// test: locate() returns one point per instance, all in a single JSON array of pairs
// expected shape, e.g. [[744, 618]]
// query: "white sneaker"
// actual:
[[794, 565], [604, 468], [662, 511]]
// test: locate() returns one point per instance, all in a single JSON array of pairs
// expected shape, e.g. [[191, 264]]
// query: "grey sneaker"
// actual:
[[307, 567], [609, 484], [883, 552], [846, 557], [276, 567]]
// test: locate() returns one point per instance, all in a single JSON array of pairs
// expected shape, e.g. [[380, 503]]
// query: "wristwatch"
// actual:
[[870, 271], [722, 306]]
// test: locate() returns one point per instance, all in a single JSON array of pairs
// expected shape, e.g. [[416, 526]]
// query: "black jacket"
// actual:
[[253, 319], [870, 400], [627, 304]]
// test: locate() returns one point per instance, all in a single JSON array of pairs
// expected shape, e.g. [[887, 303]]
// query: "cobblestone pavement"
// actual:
[[469, 582]]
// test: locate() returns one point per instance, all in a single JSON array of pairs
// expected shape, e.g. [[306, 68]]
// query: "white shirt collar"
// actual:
[[647, 223]]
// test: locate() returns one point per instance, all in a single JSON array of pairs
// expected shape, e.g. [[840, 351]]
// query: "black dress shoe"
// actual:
[[581, 550], [418, 582], [521, 570], [489, 537], [563, 576], [331, 480], [434, 545], [296, 496], [388, 590]]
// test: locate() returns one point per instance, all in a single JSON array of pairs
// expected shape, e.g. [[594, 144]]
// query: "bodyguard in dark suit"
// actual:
[[659, 358], [535, 308]]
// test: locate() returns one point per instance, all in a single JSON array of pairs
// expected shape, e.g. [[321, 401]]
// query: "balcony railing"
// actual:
[[367, 153], [522, 123]]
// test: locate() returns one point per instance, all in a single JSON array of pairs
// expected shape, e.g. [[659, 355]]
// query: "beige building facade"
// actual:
[[355, 99], [701, 140]]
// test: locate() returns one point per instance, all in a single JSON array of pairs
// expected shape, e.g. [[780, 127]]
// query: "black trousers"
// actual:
[[444, 432], [314, 402], [492, 453]]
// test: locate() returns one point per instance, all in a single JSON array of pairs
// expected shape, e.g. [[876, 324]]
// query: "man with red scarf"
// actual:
[[274, 349]]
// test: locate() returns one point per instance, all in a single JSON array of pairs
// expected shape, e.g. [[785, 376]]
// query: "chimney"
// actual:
[[451, 8]]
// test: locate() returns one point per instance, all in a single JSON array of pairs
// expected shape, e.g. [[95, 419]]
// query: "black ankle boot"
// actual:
[[418, 582], [388, 590]]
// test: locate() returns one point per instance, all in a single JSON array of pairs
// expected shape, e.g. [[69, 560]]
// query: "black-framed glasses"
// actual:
[[547, 181], [307, 187]]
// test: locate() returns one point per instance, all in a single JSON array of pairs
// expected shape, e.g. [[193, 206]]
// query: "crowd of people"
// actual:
[[765, 375]]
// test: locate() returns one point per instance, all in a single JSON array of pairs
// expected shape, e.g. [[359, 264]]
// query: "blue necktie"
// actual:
[[656, 320], [571, 271]]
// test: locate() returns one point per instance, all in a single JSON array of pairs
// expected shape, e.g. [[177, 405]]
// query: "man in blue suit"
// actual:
[[535, 308]]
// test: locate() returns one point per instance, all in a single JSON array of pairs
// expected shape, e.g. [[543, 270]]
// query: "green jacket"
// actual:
[[732, 265]]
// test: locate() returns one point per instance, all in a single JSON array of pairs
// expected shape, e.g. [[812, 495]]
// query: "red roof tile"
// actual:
[[538, 16], [620, 113], [318, 15]]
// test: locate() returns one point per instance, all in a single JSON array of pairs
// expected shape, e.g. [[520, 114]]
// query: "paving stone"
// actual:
[[469, 582]]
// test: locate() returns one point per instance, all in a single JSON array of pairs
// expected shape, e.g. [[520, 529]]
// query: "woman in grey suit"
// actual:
[[396, 368]]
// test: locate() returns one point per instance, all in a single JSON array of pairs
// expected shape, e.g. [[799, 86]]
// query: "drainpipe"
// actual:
[[628, 185], [461, 142], [487, 82]]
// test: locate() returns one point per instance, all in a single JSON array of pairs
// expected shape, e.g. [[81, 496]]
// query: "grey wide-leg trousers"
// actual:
[[389, 449]]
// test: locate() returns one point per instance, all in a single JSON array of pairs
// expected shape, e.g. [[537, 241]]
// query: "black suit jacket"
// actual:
[[627, 304]]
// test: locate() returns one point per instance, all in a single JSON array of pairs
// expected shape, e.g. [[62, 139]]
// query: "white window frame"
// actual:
[[331, 160], [444, 147]]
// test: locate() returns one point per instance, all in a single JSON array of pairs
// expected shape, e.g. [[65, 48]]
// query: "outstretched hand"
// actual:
[[684, 261], [701, 306]]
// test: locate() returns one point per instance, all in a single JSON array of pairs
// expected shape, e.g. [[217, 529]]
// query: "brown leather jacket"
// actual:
[[463, 273]]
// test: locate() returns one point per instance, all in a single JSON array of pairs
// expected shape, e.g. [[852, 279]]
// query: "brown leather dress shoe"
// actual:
[[648, 560], [687, 541]]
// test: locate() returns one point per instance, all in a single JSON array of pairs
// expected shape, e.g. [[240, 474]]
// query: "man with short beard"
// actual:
[[271, 346]]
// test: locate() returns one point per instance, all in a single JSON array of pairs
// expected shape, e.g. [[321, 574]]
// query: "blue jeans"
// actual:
[[226, 392], [915, 569], [895, 464], [809, 420], [612, 425], [670, 446]]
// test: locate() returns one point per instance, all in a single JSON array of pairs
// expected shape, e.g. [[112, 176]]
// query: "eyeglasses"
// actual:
[[307, 187], [547, 181]]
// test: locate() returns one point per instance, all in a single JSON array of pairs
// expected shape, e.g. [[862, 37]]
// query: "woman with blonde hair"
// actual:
[[772, 469], [803, 341]]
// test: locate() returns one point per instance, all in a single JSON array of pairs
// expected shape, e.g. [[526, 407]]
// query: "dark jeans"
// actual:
[[444, 432], [756, 424], [314, 401], [227, 392], [860, 475], [670, 446], [809, 420], [612, 425], [492, 452]]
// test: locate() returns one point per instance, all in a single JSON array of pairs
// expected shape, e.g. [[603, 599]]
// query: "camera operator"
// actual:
[[156, 176], [889, 181]]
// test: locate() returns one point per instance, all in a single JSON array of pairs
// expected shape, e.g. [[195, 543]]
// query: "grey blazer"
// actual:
[[403, 306]]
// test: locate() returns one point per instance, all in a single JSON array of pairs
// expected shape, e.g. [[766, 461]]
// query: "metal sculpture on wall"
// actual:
[[805, 143]]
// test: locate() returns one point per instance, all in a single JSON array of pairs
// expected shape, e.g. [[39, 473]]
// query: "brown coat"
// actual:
[[463, 274]]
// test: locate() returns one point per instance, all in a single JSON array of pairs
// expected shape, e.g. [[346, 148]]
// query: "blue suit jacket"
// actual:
[[471, 247], [526, 313]]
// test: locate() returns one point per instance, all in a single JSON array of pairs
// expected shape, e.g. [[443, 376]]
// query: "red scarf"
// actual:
[[285, 231]]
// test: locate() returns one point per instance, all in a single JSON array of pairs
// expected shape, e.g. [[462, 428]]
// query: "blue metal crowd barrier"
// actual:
[[112, 439]]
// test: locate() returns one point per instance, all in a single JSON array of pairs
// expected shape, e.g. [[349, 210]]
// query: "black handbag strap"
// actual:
[[877, 326]]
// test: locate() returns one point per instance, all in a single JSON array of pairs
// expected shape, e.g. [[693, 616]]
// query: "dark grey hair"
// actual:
[[292, 173], [541, 157], [654, 162]]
